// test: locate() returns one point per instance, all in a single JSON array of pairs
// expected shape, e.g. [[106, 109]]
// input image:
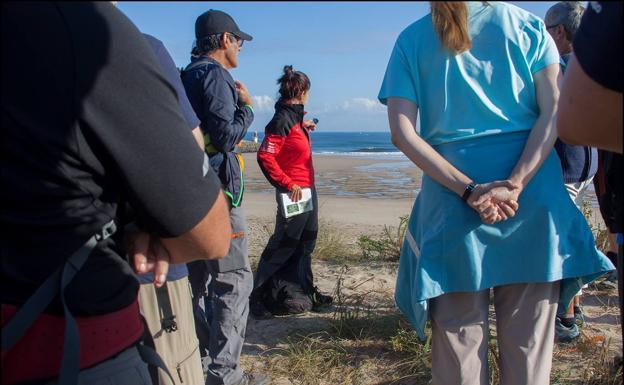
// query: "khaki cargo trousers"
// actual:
[[179, 349]]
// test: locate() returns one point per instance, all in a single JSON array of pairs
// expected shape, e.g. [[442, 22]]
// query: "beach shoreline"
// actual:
[[370, 191]]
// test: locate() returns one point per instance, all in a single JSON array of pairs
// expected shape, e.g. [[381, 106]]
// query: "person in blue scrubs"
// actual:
[[493, 212]]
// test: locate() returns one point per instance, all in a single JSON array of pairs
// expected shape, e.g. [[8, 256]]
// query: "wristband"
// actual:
[[250, 107], [470, 187]]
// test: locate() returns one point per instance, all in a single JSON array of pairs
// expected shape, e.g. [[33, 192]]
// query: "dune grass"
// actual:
[[368, 342]]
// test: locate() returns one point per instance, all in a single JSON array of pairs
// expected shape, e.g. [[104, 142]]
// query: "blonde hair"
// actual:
[[450, 20]]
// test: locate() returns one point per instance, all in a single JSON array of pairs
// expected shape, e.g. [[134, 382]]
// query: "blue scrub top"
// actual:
[[482, 91]]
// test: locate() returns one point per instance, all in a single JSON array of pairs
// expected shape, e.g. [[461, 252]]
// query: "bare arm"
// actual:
[[199, 137], [209, 239], [543, 134], [402, 115], [589, 113]]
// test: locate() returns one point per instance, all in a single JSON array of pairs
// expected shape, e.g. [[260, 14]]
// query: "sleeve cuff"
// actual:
[[250, 108]]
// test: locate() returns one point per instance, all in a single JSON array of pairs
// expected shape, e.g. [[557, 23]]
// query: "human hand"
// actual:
[[243, 93], [495, 201], [295, 193], [310, 124], [148, 255]]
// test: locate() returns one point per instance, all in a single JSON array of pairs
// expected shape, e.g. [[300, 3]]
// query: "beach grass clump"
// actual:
[[364, 344], [331, 244], [387, 245], [601, 368], [313, 359], [355, 317]]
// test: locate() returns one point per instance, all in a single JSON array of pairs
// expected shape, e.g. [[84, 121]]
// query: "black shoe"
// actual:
[[254, 379], [319, 300], [259, 311]]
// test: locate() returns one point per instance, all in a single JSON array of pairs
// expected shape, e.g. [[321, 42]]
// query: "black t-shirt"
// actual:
[[88, 122], [598, 43]]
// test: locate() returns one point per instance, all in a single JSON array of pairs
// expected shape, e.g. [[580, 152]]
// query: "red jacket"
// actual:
[[285, 156]]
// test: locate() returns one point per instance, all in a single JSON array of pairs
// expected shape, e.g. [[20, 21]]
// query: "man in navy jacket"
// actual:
[[225, 110]]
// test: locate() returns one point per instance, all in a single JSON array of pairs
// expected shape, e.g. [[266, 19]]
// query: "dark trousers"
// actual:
[[288, 254]]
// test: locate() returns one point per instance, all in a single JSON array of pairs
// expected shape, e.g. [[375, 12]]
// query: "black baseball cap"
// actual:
[[213, 22]]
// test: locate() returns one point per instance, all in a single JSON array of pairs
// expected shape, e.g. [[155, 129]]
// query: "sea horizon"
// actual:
[[349, 143]]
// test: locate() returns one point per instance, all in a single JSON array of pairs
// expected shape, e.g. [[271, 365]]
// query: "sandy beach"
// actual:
[[367, 191]]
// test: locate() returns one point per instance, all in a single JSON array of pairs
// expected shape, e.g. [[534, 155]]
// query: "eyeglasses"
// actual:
[[239, 40]]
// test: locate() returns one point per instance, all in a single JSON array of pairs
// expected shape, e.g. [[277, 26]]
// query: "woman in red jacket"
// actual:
[[284, 280]]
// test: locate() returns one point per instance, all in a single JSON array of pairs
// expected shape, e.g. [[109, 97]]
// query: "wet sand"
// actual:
[[371, 192]]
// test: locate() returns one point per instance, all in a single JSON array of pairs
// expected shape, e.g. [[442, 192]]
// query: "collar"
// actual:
[[294, 109], [206, 58]]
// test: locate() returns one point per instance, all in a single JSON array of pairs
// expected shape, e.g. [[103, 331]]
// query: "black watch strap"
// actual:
[[470, 187]]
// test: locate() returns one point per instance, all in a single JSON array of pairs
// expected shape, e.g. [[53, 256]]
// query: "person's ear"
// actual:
[[225, 40]]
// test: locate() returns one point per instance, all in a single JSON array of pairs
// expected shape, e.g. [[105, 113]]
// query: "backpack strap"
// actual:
[[167, 318], [148, 354], [56, 283]]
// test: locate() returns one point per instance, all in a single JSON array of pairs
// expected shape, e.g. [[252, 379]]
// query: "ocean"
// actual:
[[373, 144]]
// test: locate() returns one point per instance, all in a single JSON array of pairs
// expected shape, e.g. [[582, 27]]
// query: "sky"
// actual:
[[343, 47]]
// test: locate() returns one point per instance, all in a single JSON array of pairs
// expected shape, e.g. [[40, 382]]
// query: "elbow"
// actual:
[[220, 249], [396, 139]]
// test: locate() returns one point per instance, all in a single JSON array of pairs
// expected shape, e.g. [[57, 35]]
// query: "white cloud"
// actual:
[[263, 103], [363, 105], [356, 105]]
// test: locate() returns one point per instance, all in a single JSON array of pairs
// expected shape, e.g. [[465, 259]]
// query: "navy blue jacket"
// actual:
[[579, 163], [224, 122]]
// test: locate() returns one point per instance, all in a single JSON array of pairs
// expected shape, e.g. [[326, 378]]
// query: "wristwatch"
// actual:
[[470, 187]]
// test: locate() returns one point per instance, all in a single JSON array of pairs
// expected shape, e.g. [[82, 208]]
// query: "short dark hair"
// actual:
[[210, 43], [292, 83]]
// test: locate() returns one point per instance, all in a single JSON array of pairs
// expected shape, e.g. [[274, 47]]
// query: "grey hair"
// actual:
[[568, 14]]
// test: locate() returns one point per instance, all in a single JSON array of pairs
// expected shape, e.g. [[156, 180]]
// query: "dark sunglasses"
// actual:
[[239, 40]]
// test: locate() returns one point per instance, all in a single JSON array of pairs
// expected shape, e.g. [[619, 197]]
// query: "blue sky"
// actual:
[[342, 46]]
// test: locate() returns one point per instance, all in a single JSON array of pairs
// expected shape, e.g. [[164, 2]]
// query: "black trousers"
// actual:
[[287, 256]]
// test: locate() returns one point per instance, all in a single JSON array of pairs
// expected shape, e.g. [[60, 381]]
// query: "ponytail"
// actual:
[[450, 20], [292, 83]]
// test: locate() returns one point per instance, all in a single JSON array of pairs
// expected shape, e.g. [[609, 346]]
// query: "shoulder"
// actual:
[[212, 73], [157, 46], [153, 42], [417, 30], [220, 73], [516, 16], [280, 124]]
